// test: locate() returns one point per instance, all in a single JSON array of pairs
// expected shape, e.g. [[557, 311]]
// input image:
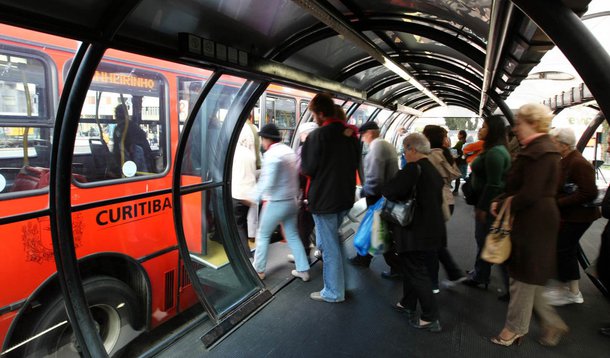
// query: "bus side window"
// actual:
[[122, 132], [25, 123]]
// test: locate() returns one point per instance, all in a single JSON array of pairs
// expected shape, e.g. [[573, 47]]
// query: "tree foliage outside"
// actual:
[[466, 123]]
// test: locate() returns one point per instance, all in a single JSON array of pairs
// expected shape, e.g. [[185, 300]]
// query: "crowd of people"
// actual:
[[542, 176]]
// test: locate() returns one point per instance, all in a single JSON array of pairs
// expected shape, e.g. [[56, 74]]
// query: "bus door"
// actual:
[[216, 259]]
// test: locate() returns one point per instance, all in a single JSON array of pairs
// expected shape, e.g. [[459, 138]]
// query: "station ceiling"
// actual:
[[420, 54]]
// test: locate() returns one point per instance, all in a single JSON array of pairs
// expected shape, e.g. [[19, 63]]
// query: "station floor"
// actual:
[[365, 325]]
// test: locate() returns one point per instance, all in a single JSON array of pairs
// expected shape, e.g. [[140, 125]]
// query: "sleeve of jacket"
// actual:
[[583, 175], [373, 177], [532, 191], [310, 155], [494, 171], [400, 186], [267, 178]]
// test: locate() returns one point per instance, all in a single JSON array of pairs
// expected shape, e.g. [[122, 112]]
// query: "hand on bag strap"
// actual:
[[503, 219]]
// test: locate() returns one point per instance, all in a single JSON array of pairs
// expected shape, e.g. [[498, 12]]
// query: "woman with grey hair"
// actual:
[[418, 243], [576, 187], [531, 187]]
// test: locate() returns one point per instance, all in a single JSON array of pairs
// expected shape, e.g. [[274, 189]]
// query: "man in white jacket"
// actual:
[[278, 186]]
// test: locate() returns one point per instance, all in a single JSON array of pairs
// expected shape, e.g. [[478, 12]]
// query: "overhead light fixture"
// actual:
[[362, 42]]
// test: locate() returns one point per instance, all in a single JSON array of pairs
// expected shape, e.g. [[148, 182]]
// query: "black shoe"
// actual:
[[434, 326], [362, 261], [389, 275], [473, 283], [411, 315], [605, 331], [504, 298]]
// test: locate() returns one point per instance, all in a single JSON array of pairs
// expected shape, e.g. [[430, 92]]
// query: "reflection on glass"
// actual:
[[202, 148], [122, 132], [224, 283], [25, 132]]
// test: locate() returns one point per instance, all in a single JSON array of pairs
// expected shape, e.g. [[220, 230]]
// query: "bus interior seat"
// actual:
[[102, 160]]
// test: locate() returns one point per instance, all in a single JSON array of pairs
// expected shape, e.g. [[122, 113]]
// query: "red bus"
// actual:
[[133, 276]]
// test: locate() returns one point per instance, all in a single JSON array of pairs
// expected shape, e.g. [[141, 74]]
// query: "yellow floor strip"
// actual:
[[216, 257]]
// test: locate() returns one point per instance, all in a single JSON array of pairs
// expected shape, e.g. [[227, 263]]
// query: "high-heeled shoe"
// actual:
[[473, 283], [552, 336], [516, 339]]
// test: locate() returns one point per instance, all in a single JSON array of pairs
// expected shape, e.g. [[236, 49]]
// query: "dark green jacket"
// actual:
[[489, 175]]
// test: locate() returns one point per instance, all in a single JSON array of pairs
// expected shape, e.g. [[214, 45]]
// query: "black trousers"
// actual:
[[567, 250], [444, 257], [305, 226], [241, 219], [417, 284]]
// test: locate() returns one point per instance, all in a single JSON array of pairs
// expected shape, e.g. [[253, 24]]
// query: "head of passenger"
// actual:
[[416, 147], [495, 132], [565, 140], [340, 113], [322, 108], [437, 136], [305, 129], [369, 131], [532, 119], [462, 135], [269, 135], [121, 115]]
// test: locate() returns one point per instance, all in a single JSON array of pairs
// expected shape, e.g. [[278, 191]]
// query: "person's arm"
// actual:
[[373, 177], [495, 164], [401, 185], [267, 179], [310, 155], [532, 189], [583, 175]]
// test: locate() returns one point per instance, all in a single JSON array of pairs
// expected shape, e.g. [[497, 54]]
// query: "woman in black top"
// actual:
[[418, 243]]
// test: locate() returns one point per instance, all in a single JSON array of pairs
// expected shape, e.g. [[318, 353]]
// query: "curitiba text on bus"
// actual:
[[132, 211], [123, 79]]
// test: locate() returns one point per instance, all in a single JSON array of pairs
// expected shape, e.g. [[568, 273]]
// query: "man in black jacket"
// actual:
[[330, 158]]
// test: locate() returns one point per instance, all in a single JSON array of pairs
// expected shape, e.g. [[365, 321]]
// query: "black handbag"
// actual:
[[469, 195], [400, 212]]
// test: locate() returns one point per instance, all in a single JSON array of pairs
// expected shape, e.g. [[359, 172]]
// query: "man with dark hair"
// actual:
[[330, 158], [278, 185]]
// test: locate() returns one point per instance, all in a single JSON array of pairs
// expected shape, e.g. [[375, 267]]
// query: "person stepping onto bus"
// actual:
[[278, 186]]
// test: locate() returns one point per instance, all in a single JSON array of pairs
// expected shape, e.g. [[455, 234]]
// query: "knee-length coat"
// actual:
[[532, 181]]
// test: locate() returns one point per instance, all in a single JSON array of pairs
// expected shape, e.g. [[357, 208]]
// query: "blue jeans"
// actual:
[[275, 212], [327, 236]]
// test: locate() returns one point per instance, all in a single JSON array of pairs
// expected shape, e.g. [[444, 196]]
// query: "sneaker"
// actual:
[[436, 291], [303, 275], [317, 297], [567, 298], [290, 257]]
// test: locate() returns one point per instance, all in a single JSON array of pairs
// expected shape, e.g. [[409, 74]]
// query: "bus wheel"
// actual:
[[113, 306]]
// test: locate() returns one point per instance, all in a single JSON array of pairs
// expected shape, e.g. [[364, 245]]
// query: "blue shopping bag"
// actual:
[[362, 239]]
